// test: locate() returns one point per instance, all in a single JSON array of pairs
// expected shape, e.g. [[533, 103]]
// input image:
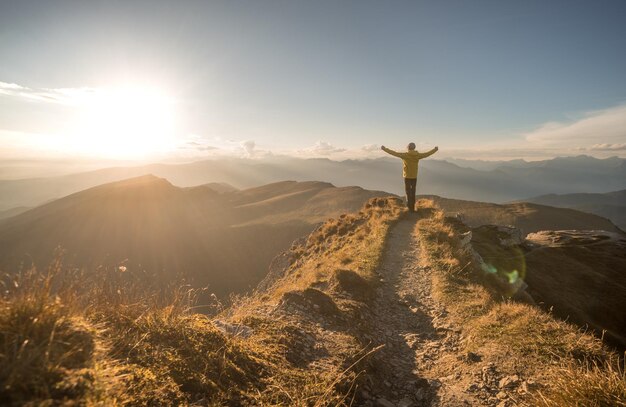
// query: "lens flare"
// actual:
[[506, 263]]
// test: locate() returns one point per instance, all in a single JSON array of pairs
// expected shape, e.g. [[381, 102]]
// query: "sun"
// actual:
[[129, 122]]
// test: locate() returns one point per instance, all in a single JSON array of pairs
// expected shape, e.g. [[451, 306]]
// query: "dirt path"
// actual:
[[420, 343]]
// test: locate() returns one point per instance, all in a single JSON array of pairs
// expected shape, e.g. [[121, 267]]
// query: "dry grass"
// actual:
[[523, 337], [61, 344], [590, 385], [48, 350], [334, 269], [354, 242], [107, 339]]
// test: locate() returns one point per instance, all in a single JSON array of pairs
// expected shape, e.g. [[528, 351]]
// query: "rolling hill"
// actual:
[[374, 308], [528, 217], [225, 240], [611, 205], [499, 182]]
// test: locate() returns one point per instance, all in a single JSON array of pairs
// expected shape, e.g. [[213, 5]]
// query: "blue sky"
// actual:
[[481, 79]]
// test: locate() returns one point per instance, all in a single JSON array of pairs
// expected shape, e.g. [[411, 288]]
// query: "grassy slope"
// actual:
[[109, 342], [570, 367]]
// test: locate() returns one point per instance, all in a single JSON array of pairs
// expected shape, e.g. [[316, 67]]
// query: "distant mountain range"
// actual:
[[225, 239], [215, 234], [486, 182], [611, 205]]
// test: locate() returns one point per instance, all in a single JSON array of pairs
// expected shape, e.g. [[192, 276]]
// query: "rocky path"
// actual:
[[419, 342]]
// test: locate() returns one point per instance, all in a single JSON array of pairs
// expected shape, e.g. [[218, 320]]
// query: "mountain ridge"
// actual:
[[146, 223], [501, 184], [611, 205]]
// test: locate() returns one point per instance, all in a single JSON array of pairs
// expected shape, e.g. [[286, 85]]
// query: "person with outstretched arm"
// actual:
[[410, 159]]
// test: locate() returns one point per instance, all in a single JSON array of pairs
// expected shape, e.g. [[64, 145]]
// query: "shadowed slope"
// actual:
[[226, 240], [611, 205], [527, 217], [582, 274]]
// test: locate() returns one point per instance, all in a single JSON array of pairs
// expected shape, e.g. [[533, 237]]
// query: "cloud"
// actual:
[[66, 96], [248, 147], [323, 148], [608, 147], [197, 146], [9, 87], [368, 148], [602, 127]]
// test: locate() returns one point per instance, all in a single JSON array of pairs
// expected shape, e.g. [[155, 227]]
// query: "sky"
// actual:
[[181, 80]]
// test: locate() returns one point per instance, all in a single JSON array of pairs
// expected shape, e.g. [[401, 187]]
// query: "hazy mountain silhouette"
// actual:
[[501, 182], [611, 205], [13, 212], [226, 240]]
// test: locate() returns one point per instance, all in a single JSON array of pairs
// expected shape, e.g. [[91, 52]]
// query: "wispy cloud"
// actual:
[[248, 146], [66, 96], [368, 148], [192, 145], [608, 147], [322, 148], [597, 128]]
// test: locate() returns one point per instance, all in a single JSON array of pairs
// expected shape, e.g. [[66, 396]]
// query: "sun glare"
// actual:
[[125, 122]]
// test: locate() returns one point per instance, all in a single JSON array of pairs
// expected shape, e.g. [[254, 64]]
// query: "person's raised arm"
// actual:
[[429, 153], [390, 151]]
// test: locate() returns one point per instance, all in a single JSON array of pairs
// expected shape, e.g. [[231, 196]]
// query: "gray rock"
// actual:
[[233, 329], [509, 236], [406, 402], [508, 382], [420, 394]]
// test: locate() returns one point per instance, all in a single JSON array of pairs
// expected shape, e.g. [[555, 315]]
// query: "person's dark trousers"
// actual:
[[409, 186]]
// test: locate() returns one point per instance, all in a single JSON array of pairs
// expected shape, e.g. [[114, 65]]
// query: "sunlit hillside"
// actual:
[[225, 241], [377, 307], [313, 203]]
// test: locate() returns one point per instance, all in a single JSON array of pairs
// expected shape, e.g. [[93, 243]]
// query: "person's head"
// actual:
[[411, 146]]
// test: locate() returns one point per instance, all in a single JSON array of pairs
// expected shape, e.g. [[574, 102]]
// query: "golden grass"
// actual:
[[590, 385], [47, 350], [62, 346], [355, 242], [523, 337], [107, 339]]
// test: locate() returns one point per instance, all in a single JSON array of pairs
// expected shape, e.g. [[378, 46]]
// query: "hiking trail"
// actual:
[[416, 366]]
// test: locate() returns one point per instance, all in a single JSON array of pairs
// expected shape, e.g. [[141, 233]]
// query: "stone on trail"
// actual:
[[508, 382]]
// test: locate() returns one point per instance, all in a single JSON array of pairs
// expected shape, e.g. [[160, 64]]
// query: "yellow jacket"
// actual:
[[410, 159]]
